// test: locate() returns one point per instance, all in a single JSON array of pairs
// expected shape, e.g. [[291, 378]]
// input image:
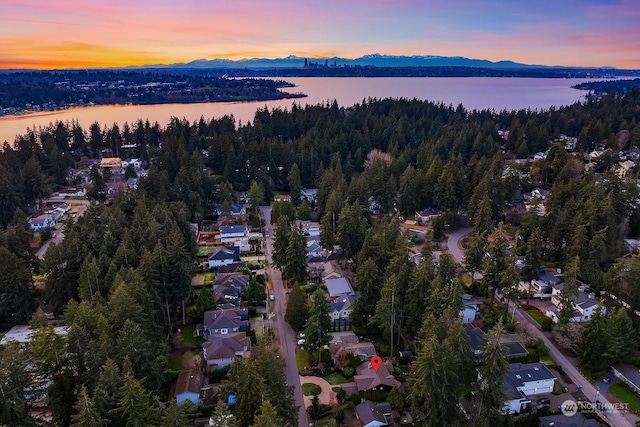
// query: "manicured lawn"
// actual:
[[308, 389], [302, 359], [336, 378], [626, 396], [187, 335], [208, 277], [536, 315]]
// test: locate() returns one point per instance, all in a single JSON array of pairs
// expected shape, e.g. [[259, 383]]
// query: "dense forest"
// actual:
[[120, 274], [609, 86]]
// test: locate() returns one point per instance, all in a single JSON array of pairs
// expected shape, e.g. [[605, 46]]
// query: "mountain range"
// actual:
[[373, 60]]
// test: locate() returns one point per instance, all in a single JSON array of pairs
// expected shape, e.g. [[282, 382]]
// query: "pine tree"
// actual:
[[281, 242], [87, 415], [493, 367], [594, 343], [621, 337], [248, 388], [295, 185], [317, 327], [297, 312], [531, 270], [267, 417], [175, 416], [222, 416], [295, 267], [134, 403]]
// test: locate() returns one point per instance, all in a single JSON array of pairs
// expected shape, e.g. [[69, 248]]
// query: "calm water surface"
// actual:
[[472, 92]]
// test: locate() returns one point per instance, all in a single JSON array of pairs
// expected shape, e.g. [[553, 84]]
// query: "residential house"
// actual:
[[132, 183], [367, 378], [222, 322], [23, 334], [282, 198], [346, 342], [539, 156], [341, 339], [230, 268], [624, 168], [585, 305], [628, 374], [314, 250], [470, 308], [188, 386], [73, 192], [310, 194], [523, 381], [478, 340], [561, 420], [220, 351], [373, 414], [342, 306], [337, 287], [427, 215], [374, 206], [113, 163], [231, 280], [136, 163], [539, 193], [42, 221], [228, 297], [235, 209], [236, 235], [223, 255]]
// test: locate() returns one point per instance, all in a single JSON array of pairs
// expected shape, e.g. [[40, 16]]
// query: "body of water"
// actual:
[[472, 92]]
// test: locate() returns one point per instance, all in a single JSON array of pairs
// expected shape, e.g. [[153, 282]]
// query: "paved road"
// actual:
[[452, 243], [286, 335], [615, 419]]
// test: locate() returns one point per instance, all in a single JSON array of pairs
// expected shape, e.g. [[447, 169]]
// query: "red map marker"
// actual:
[[376, 361]]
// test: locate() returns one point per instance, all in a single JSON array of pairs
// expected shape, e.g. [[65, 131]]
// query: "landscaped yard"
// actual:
[[626, 396], [204, 250], [187, 336], [536, 315], [336, 378], [302, 359], [309, 389], [208, 277]]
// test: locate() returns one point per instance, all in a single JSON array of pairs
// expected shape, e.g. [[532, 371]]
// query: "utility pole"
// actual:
[[393, 321]]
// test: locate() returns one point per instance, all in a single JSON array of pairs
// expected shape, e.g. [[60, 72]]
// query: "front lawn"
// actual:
[[302, 359], [627, 396], [536, 315], [310, 389], [175, 362], [336, 378]]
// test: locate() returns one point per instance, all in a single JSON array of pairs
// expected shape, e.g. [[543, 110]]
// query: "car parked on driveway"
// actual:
[[606, 380], [544, 401]]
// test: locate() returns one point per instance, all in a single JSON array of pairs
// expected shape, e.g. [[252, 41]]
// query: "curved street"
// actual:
[[285, 334]]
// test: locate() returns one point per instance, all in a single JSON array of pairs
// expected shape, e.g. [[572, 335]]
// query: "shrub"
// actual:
[[252, 311], [547, 324], [341, 396], [348, 372]]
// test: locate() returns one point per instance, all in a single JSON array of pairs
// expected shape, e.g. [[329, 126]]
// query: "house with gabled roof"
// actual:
[[367, 378], [235, 235], [223, 255], [373, 414], [339, 286], [585, 305], [220, 351], [342, 306], [235, 209], [189, 386], [222, 322], [42, 221]]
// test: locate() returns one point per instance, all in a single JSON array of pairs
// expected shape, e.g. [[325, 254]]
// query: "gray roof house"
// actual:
[[373, 414], [221, 350]]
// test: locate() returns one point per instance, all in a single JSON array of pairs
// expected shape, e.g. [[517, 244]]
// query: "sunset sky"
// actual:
[[48, 34]]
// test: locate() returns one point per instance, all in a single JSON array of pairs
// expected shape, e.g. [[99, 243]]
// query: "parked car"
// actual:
[[272, 297], [301, 342], [544, 402], [606, 380]]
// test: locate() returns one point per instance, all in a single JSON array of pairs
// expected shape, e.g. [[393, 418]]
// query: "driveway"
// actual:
[[286, 335], [327, 396], [452, 243]]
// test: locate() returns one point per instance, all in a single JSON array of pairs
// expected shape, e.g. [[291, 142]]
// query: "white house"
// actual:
[[470, 308], [523, 381], [223, 255], [342, 307], [236, 235], [585, 305], [309, 193], [42, 221]]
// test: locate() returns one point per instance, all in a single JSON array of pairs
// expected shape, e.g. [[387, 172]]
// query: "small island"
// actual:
[[23, 92]]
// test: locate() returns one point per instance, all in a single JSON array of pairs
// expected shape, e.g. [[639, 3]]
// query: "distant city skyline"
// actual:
[[47, 34]]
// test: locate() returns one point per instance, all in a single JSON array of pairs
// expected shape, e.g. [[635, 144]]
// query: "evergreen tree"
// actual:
[[222, 416], [134, 403], [16, 288], [87, 415], [281, 242], [295, 267], [247, 386], [493, 367], [14, 382], [255, 292], [256, 197], [304, 210], [369, 283], [317, 327], [106, 393], [570, 291], [297, 312], [531, 270], [295, 185], [621, 337], [352, 228], [175, 416], [267, 417], [594, 343]]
